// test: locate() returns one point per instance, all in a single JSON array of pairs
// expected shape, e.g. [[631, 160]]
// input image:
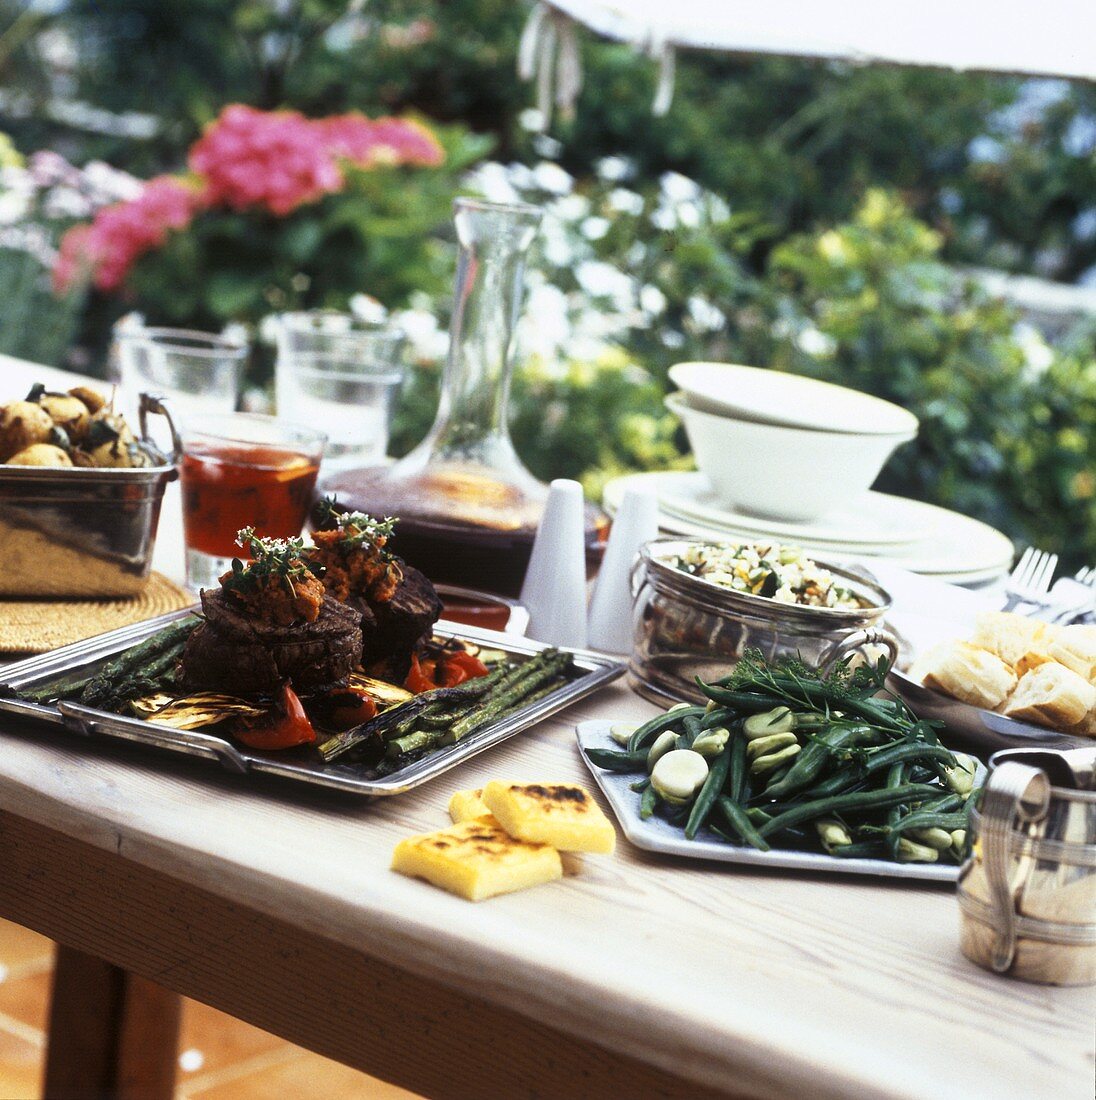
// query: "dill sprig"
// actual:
[[274, 561]]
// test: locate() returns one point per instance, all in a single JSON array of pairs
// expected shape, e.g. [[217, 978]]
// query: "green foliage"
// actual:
[[1001, 437]]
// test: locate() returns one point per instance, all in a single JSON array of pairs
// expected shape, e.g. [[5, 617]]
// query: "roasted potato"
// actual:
[[109, 442], [22, 424], [40, 454], [69, 413], [92, 398]]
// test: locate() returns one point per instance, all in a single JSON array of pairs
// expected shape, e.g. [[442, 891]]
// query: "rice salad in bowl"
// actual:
[[781, 573]]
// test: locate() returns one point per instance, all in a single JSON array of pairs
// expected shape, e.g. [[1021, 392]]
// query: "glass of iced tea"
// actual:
[[242, 470]]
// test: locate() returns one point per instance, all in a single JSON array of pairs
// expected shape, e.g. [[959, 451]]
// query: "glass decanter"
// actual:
[[468, 507]]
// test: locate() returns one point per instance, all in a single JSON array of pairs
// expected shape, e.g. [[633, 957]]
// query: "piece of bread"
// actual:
[[1086, 727], [966, 673], [1075, 647], [476, 860], [467, 806], [1010, 636], [1051, 695], [558, 814]]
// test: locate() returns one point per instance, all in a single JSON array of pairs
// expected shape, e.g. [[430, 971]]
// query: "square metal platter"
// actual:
[[658, 835], [591, 670]]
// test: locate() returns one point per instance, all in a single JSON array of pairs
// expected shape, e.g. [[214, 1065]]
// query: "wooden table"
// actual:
[[634, 976]]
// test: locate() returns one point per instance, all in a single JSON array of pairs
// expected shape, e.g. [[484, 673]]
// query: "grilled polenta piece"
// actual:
[[565, 817], [467, 806], [476, 860]]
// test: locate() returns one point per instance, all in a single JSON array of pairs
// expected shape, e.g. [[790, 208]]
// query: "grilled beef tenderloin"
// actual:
[[402, 620], [239, 654]]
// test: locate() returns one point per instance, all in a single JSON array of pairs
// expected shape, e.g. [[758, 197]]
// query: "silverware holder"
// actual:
[[1027, 894]]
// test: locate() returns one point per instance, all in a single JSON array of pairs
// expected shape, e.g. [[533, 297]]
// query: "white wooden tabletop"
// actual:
[[766, 984]]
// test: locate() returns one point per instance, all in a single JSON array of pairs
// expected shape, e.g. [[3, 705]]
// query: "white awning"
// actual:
[[1032, 37]]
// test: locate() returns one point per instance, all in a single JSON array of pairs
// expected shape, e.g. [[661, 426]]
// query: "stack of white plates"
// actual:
[[922, 538]]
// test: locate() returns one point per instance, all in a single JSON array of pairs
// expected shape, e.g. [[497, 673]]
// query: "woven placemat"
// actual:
[[37, 626]]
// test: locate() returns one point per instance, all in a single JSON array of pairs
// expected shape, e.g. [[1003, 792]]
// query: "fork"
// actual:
[[1086, 576], [1029, 581]]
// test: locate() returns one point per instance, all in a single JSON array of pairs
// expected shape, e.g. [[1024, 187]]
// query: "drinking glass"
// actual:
[[195, 372], [242, 470], [340, 371]]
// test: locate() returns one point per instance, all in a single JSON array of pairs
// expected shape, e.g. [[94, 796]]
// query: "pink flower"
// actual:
[[275, 159], [124, 231], [370, 142]]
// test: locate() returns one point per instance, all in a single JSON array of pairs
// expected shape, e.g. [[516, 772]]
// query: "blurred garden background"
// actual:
[[848, 222]]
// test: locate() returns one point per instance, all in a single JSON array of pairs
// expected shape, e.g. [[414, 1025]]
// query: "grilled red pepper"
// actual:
[[283, 729], [447, 671]]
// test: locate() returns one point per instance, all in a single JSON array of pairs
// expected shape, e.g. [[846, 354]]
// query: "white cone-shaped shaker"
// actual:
[[554, 591], [636, 522]]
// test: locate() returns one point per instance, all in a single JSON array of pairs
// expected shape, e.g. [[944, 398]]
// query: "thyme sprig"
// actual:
[[273, 561], [355, 528]]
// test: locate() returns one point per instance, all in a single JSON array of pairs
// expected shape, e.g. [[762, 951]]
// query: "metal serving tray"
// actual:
[[593, 671], [657, 835], [984, 730]]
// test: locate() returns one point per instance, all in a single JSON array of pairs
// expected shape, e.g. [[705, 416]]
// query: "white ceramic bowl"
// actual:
[[783, 473], [775, 397]]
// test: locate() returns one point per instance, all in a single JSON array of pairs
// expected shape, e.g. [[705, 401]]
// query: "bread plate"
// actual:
[[981, 729]]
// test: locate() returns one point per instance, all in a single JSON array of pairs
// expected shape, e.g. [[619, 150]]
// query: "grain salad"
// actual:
[[781, 573]]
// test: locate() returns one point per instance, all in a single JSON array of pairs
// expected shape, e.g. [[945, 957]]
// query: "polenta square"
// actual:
[[476, 860], [558, 814], [467, 806]]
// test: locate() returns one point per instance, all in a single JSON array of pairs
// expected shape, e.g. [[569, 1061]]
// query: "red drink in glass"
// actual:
[[243, 471]]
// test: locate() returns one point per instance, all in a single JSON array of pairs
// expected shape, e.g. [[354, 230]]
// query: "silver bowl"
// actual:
[[685, 627], [81, 532]]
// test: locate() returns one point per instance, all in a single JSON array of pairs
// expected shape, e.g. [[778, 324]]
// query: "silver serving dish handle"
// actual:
[[88, 721], [861, 639], [150, 404]]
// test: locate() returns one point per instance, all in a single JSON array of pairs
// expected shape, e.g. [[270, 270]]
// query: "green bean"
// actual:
[[864, 849], [928, 819], [650, 730], [721, 716], [613, 761], [738, 775], [906, 752], [895, 778], [862, 800], [745, 702], [691, 725], [640, 784], [736, 817], [708, 793], [648, 802], [814, 757]]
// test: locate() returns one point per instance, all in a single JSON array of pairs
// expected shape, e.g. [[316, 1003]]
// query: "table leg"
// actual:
[[112, 1035]]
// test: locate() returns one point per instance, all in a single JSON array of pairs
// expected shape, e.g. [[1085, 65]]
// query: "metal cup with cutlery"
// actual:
[[1027, 893]]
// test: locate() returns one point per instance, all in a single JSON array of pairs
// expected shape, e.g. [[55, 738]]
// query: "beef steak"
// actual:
[[235, 653]]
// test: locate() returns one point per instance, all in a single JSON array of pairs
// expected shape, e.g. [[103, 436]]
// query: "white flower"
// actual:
[[593, 229], [812, 341], [678, 188], [602, 280], [1037, 353], [493, 181], [652, 300], [110, 184], [623, 201], [531, 120], [704, 315], [571, 208], [368, 309], [615, 169], [428, 342], [553, 179], [66, 202]]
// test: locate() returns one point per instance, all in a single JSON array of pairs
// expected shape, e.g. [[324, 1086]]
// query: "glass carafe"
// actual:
[[468, 507]]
